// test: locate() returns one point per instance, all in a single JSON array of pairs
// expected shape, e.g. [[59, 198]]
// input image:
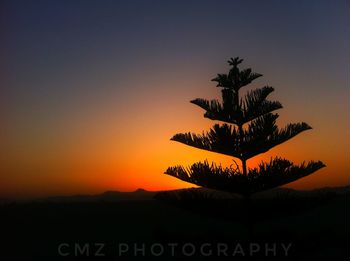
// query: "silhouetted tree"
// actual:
[[249, 129]]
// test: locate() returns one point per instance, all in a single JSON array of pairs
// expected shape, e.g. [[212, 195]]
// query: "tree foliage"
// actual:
[[249, 129]]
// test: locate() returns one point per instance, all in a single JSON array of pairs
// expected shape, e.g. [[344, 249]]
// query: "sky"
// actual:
[[92, 91]]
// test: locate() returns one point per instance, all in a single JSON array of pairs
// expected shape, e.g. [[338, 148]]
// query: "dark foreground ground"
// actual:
[[317, 229]]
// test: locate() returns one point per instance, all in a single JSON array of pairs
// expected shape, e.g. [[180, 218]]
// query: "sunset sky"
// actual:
[[92, 91]]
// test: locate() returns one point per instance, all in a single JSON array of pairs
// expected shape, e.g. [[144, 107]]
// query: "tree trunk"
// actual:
[[244, 167]]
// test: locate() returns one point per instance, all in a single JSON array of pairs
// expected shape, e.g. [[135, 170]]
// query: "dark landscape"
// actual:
[[314, 222]]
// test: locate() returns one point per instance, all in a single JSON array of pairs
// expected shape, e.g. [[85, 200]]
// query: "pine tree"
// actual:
[[249, 129]]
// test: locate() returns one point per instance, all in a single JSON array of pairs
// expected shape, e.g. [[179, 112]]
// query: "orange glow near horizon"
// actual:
[[134, 150]]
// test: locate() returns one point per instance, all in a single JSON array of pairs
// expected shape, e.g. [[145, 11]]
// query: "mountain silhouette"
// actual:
[[142, 194], [108, 196]]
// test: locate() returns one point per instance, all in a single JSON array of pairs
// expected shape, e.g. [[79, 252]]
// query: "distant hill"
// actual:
[[281, 193], [108, 196], [142, 194]]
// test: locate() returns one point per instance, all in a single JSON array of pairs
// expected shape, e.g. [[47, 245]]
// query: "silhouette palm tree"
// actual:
[[249, 129]]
